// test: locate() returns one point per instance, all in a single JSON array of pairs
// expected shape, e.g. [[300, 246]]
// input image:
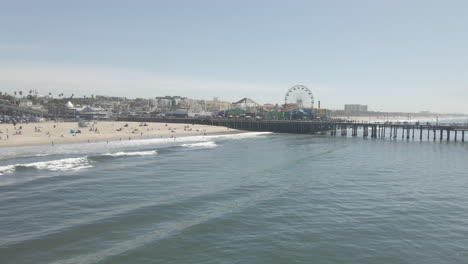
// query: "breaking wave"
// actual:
[[238, 135], [78, 163], [136, 153], [7, 169], [70, 164], [209, 144], [189, 139], [52, 165]]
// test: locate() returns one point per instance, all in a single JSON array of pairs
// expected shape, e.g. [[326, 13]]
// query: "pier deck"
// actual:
[[426, 131]]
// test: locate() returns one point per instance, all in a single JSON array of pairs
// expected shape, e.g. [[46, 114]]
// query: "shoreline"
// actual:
[[57, 133]]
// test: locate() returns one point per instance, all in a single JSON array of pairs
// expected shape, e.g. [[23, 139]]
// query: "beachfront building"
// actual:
[[88, 112], [168, 104], [217, 105], [193, 105], [25, 103], [165, 103], [352, 109]]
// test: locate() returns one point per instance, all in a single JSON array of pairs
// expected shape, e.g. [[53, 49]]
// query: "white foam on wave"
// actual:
[[6, 169], [53, 165], [84, 162], [68, 164], [42, 155], [61, 164], [238, 135], [208, 144], [188, 139], [136, 153]]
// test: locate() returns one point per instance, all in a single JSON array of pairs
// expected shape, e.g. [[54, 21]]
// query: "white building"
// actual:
[[88, 112], [25, 103]]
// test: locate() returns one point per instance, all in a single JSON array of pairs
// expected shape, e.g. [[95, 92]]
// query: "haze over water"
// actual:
[[251, 198]]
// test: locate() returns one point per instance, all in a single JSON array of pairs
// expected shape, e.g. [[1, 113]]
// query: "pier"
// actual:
[[405, 131]]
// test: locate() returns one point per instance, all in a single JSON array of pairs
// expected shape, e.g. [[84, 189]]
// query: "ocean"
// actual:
[[240, 198]]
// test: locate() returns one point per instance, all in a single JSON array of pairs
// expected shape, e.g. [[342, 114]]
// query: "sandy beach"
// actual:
[[60, 132]]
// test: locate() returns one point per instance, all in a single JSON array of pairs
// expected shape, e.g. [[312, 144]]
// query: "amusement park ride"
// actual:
[[299, 102]]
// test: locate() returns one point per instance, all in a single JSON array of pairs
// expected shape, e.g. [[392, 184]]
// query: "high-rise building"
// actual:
[[355, 108]]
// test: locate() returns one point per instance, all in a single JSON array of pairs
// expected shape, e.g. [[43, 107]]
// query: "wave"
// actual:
[[70, 164], [136, 153], [185, 139], [7, 169], [86, 162], [209, 144], [239, 135], [42, 155], [52, 165]]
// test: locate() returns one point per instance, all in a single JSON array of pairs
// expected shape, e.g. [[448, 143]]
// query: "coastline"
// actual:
[[52, 133]]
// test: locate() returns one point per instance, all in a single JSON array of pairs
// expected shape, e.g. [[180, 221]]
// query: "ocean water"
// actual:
[[244, 198]]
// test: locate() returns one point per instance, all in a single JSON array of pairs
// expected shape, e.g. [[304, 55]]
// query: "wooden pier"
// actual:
[[407, 131]]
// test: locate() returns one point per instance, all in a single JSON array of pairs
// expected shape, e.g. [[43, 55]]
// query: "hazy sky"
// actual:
[[393, 55]]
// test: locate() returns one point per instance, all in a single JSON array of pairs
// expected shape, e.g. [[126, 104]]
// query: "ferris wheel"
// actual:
[[299, 96]]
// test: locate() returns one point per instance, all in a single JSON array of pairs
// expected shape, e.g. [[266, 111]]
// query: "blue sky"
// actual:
[[392, 55]]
